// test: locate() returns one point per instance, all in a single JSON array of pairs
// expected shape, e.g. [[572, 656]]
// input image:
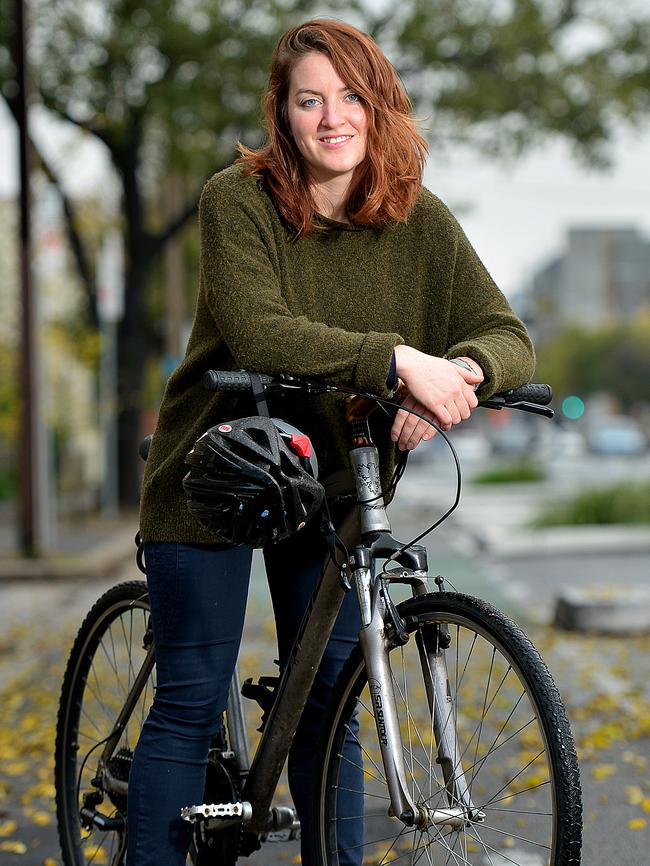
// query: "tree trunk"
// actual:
[[133, 332], [134, 347]]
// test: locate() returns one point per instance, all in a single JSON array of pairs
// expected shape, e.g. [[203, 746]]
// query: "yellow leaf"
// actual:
[[7, 828], [603, 771], [50, 861], [645, 804], [637, 823], [96, 854], [41, 819], [16, 768], [13, 846], [633, 794]]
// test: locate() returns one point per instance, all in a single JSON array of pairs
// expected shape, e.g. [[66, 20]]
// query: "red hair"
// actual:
[[387, 183]]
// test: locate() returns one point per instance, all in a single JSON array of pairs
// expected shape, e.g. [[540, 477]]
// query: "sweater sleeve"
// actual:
[[483, 326], [244, 296]]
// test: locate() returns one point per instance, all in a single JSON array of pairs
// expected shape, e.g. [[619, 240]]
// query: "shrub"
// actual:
[[623, 503], [522, 470]]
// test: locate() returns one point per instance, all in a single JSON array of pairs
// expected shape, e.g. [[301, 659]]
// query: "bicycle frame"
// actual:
[[369, 525], [370, 522]]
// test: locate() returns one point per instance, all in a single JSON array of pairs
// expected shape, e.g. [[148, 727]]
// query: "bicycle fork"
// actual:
[[431, 645]]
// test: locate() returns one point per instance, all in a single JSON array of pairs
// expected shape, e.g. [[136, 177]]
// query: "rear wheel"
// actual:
[[107, 655], [515, 747]]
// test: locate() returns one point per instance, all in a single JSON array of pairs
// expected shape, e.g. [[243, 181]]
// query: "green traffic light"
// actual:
[[573, 408]]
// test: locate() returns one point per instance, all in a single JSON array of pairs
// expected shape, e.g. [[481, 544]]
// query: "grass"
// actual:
[[626, 503], [522, 470]]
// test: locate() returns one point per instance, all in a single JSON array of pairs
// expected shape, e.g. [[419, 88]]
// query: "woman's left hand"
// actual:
[[411, 430]]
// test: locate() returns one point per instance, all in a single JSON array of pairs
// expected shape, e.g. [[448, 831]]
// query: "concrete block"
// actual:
[[616, 610]]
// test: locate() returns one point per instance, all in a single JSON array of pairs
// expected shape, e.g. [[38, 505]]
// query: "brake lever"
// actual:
[[523, 405]]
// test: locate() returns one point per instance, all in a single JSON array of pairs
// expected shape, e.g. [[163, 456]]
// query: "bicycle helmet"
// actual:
[[253, 481]]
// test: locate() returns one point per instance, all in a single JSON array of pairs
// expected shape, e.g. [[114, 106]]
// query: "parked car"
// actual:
[[618, 435], [516, 439]]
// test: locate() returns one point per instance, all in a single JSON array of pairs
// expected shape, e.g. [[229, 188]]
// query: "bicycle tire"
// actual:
[[526, 781], [107, 653]]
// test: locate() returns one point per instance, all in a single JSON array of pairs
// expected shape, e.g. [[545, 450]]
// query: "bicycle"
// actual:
[[465, 747]]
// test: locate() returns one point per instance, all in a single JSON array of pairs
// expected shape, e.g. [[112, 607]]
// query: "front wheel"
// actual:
[[514, 741]]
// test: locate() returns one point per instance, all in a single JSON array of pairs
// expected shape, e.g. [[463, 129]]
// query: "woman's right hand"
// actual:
[[438, 389]]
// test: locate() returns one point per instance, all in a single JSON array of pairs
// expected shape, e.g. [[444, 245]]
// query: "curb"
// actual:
[[99, 561], [514, 542], [623, 613]]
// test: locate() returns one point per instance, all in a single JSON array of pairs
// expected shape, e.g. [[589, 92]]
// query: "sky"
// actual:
[[515, 214]]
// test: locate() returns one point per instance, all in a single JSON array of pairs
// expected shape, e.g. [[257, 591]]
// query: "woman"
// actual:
[[323, 256]]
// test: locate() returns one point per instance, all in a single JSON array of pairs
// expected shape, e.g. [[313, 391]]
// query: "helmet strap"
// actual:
[[259, 395]]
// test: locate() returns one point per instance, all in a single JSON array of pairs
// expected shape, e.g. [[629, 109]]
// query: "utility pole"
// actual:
[[31, 529]]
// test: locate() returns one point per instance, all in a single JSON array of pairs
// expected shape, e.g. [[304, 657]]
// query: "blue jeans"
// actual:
[[198, 599]]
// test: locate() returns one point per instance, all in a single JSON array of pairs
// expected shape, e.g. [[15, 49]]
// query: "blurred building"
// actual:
[[602, 277]]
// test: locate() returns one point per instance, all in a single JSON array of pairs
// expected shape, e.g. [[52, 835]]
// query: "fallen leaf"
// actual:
[[637, 823], [16, 768], [13, 846], [604, 771], [41, 819], [633, 794]]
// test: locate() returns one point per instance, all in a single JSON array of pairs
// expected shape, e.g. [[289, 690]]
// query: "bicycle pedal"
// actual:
[[239, 811]]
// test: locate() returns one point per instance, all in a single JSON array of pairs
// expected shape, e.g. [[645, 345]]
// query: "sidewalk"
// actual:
[[85, 548]]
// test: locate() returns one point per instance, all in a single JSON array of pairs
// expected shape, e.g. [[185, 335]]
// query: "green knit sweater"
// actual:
[[333, 306]]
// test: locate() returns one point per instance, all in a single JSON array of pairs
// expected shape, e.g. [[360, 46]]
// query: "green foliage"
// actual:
[[614, 359], [9, 400], [178, 80], [7, 484], [522, 470], [504, 75], [622, 503]]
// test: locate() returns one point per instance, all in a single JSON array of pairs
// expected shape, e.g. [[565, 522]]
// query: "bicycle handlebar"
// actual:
[[528, 398]]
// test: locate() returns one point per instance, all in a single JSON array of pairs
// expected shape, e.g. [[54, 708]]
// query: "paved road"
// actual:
[[605, 683]]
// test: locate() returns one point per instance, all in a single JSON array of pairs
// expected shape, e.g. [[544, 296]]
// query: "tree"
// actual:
[[613, 359], [171, 86]]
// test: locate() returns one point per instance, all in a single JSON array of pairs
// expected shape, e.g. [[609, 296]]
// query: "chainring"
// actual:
[[217, 847]]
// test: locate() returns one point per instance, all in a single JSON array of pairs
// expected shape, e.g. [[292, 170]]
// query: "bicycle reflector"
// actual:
[[300, 444]]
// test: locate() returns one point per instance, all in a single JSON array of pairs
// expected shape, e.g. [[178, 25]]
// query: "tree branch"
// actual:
[[159, 240], [567, 14], [84, 269]]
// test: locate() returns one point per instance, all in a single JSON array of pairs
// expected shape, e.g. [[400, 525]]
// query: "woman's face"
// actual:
[[327, 120]]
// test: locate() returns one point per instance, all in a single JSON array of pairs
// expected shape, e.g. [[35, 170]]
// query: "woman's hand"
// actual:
[[441, 391]]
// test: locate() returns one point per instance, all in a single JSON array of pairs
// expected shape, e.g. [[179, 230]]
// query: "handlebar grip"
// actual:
[[231, 380], [532, 393]]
